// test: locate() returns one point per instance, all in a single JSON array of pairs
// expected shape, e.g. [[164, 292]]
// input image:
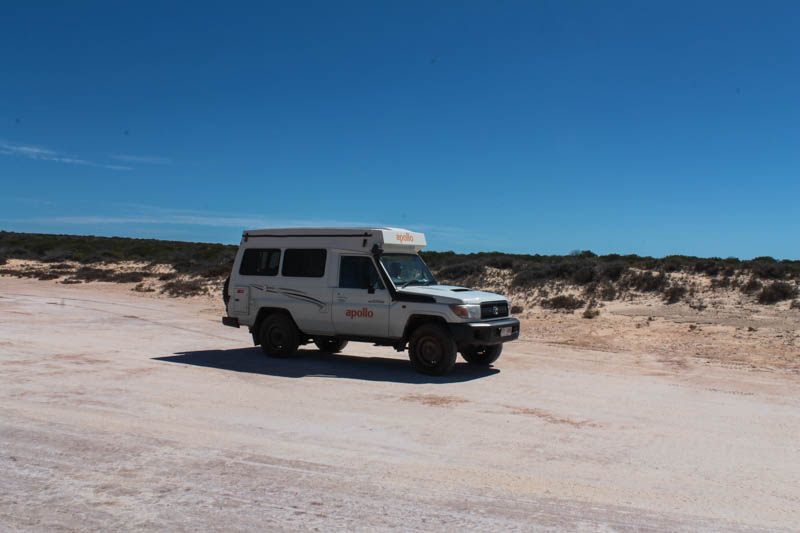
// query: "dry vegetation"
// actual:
[[585, 276], [174, 268], [557, 283]]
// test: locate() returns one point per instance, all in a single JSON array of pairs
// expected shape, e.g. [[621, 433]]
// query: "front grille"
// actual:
[[494, 310]]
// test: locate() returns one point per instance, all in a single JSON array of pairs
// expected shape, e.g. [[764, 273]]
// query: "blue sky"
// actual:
[[531, 127]]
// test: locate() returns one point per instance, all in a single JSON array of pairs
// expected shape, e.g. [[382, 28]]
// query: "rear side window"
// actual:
[[355, 270], [259, 262], [300, 263]]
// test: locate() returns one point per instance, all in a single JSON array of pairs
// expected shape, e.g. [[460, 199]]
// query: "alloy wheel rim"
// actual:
[[276, 337], [429, 351]]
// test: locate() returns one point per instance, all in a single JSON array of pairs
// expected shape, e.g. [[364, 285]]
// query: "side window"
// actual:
[[299, 263], [353, 269], [258, 262]]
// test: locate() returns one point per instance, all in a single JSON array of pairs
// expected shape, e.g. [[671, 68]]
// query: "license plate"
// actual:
[[505, 332]]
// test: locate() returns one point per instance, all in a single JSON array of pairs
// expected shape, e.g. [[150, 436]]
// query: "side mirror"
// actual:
[[367, 284]]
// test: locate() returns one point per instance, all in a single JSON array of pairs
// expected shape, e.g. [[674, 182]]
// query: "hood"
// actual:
[[450, 294]]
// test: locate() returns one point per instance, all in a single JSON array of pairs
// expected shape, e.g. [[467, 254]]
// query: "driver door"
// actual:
[[360, 302]]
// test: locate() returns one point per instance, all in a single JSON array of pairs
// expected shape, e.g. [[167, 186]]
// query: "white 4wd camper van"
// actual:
[[333, 285]]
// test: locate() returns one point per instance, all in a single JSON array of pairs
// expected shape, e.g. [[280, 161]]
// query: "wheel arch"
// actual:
[[416, 320], [264, 312]]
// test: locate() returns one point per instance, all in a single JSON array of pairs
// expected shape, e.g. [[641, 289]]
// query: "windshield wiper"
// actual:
[[409, 282]]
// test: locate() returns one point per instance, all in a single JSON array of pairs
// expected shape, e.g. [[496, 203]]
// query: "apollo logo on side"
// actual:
[[358, 313]]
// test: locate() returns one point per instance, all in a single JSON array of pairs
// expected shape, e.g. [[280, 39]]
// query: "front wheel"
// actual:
[[330, 344], [482, 355], [432, 350]]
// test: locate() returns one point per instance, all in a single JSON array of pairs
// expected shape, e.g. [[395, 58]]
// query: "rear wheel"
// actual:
[[278, 336], [482, 355], [330, 344], [432, 350]]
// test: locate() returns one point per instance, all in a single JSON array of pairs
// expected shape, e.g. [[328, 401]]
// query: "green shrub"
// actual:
[[129, 277], [583, 274], [461, 271], [776, 292], [563, 302], [613, 271], [646, 281], [751, 286], [183, 288], [674, 294]]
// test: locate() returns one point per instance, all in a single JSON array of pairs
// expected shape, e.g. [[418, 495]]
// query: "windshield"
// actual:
[[407, 269]]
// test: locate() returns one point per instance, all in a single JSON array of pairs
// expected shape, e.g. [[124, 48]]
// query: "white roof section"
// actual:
[[390, 239]]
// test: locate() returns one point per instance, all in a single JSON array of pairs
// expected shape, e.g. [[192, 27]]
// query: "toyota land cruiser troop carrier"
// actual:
[[331, 285]]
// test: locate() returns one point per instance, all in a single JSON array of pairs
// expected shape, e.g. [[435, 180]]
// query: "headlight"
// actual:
[[467, 311]]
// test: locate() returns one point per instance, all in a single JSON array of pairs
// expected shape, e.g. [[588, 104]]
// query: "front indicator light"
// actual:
[[466, 311]]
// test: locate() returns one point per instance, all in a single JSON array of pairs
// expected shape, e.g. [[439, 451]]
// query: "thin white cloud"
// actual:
[[151, 215], [188, 217], [144, 159], [33, 201], [211, 220], [45, 154]]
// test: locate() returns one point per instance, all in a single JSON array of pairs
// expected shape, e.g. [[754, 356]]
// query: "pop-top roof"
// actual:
[[390, 239]]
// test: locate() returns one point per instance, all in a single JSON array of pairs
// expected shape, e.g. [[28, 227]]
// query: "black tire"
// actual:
[[482, 355], [432, 350], [330, 344], [278, 336]]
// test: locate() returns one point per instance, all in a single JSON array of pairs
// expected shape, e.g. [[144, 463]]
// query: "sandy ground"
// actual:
[[122, 411]]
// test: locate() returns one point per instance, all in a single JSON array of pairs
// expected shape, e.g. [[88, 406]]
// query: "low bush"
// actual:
[[516, 309], [129, 277], [86, 273], [583, 275], [217, 271], [502, 262], [768, 270], [183, 288], [709, 267], [141, 287], [795, 304], [646, 281], [460, 271], [29, 273], [194, 256], [563, 302], [721, 283], [674, 294], [751, 286], [613, 271], [776, 292]]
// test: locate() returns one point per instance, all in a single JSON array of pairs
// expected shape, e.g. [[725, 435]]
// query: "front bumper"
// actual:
[[484, 333]]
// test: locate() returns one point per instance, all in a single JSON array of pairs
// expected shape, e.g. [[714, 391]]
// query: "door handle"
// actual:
[[341, 299], [375, 301]]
